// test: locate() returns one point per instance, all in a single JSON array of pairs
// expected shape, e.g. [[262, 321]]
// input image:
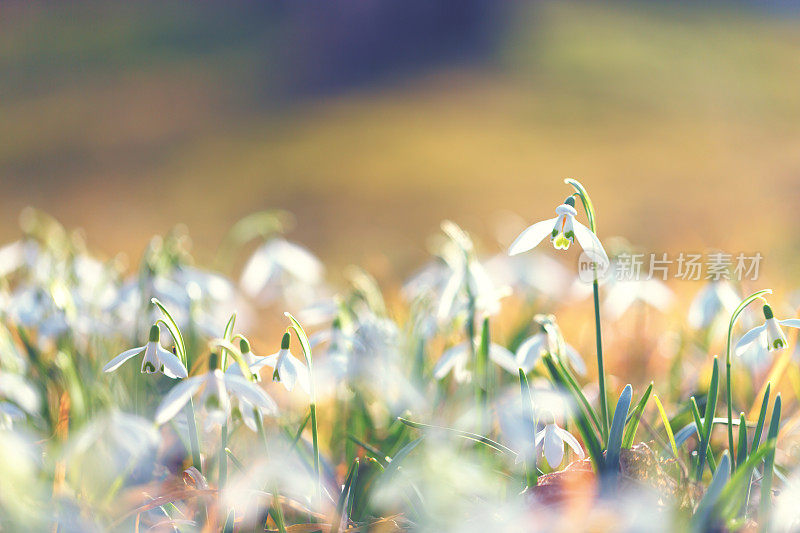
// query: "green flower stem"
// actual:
[[588, 207], [303, 338], [729, 392], [276, 503], [601, 373]]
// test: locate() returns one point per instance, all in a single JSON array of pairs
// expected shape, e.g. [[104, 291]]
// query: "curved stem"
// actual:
[[588, 207], [729, 393]]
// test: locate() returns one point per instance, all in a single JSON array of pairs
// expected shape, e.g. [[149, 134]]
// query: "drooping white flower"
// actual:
[[546, 340], [466, 282], [280, 268], [456, 359], [214, 390], [156, 358], [254, 362], [287, 368], [622, 294], [715, 300], [551, 441], [563, 230], [769, 335]]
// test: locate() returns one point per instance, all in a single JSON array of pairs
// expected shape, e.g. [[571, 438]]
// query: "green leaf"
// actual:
[[667, 427], [741, 449], [227, 336], [762, 415], [229, 523], [698, 424], [344, 496], [617, 427], [588, 434], [531, 473], [711, 406], [737, 490], [635, 416], [769, 465], [702, 517], [464, 434]]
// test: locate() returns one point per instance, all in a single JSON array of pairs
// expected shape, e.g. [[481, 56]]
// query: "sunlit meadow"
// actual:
[[361, 268]]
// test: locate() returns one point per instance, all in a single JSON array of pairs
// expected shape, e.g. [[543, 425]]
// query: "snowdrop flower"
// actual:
[[468, 283], [716, 299], [563, 230], [254, 363], [214, 389], [456, 359], [768, 335], [547, 339], [535, 272], [278, 267], [156, 358], [288, 369], [551, 440], [622, 294]]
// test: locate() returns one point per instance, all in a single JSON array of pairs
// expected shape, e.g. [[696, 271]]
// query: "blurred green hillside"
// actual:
[[683, 122]]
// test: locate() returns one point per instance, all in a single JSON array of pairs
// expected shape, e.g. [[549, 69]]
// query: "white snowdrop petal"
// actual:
[[748, 338], [121, 358], [176, 398], [172, 365], [530, 351], [589, 241], [449, 359], [251, 393], [503, 358], [532, 236], [573, 443], [575, 360], [553, 447]]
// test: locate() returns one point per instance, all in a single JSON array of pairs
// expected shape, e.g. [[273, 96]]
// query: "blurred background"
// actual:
[[373, 121]]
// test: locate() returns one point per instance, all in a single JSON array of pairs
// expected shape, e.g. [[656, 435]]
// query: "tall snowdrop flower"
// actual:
[[768, 335], [456, 360], [716, 299], [547, 340], [551, 441], [214, 390], [156, 358], [563, 230], [288, 369]]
